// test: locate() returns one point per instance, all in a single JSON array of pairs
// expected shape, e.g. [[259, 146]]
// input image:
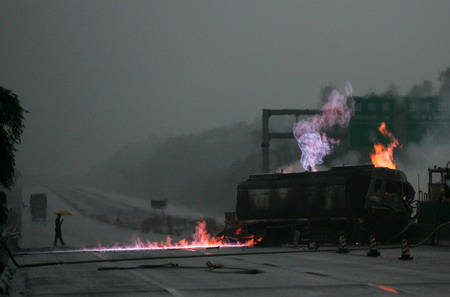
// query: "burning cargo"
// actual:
[[352, 200]]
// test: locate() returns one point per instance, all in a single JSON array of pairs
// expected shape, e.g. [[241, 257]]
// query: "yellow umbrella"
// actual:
[[63, 212]]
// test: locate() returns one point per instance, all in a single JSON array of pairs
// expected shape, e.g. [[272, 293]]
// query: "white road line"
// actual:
[[172, 291]]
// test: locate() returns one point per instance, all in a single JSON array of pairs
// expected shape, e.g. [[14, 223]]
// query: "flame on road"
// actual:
[[383, 156], [388, 289], [201, 239]]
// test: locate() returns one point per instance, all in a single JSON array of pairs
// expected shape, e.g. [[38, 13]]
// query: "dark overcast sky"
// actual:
[[98, 74]]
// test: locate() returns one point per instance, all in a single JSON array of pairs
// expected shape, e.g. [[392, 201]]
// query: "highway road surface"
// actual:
[[292, 272], [278, 271]]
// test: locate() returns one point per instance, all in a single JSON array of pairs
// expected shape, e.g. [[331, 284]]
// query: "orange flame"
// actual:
[[238, 231], [201, 240], [384, 155], [388, 289]]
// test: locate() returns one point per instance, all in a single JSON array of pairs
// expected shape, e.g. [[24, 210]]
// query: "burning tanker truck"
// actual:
[[355, 201], [352, 200]]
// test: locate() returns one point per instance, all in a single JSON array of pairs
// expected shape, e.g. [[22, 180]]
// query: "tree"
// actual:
[[11, 128], [392, 91], [423, 90], [444, 77]]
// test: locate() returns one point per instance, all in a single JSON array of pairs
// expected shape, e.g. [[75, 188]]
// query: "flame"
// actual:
[[238, 231], [384, 155], [310, 133], [388, 289], [201, 239]]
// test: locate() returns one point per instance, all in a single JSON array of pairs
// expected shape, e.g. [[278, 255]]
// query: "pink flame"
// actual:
[[310, 135]]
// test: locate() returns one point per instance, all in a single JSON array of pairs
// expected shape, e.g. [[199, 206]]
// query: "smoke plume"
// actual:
[[310, 133], [432, 150]]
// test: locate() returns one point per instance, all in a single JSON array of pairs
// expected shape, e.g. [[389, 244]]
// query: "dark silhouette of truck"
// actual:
[[38, 207], [353, 200]]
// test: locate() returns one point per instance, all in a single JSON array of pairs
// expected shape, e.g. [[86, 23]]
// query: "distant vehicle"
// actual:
[[159, 204], [38, 207]]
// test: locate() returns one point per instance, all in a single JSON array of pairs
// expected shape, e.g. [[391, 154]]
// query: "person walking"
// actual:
[[58, 234]]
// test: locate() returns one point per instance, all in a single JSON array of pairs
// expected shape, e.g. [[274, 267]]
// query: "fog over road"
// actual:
[[94, 218], [78, 230]]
